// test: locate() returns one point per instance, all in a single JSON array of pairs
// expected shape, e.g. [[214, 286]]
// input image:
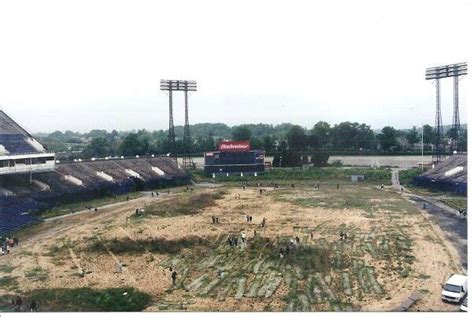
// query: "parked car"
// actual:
[[463, 306], [455, 289]]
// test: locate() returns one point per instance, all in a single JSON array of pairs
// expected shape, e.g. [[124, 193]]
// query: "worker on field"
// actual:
[[18, 302], [243, 237], [33, 306], [174, 275], [119, 267], [381, 187]]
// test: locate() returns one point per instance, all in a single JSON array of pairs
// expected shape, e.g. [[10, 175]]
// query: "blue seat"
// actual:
[[16, 144]]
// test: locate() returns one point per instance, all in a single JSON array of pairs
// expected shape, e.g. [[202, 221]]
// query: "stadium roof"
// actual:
[[15, 140]]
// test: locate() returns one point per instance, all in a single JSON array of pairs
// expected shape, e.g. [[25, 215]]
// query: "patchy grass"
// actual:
[[89, 300], [315, 174], [455, 202], [348, 197], [157, 245], [78, 206], [406, 176], [36, 274], [184, 204], [8, 282], [6, 268]]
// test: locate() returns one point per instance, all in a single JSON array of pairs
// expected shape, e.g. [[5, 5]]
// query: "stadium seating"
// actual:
[[16, 144], [30, 198], [449, 175], [15, 213]]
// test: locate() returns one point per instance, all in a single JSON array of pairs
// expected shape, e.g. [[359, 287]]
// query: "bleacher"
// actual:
[[16, 213], [448, 175], [16, 144], [30, 198]]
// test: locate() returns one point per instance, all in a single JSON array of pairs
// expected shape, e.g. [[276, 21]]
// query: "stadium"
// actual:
[[285, 240], [31, 180]]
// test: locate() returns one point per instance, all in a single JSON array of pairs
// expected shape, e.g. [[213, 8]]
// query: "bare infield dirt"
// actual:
[[392, 250]]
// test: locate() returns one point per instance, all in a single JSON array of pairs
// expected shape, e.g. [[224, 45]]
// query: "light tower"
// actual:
[[179, 85], [437, 73]]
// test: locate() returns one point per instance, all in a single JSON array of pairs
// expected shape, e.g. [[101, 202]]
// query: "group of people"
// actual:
[[248, 218], [215, 220], [8, 244], [233, 240], [342, 236], [139, 211], [89, 208], [291, 244], [153, 194]]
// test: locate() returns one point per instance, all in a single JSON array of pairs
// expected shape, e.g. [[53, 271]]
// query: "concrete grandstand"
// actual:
[[31, 181], [449, 175]]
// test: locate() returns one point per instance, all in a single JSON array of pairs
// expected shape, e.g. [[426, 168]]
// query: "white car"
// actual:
[[463, 306], [455, 289]]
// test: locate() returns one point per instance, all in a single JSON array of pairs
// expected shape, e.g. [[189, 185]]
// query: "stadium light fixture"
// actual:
[[437, 73]]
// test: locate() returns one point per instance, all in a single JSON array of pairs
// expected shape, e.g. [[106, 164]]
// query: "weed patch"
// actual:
[[90, 300]]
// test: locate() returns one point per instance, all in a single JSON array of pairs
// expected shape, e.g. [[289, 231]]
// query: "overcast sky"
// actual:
[[84, 65]]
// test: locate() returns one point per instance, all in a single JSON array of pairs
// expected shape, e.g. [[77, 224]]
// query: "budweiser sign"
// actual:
[[234, 146]]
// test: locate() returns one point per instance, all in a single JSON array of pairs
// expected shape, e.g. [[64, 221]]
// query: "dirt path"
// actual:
[[453, 225]]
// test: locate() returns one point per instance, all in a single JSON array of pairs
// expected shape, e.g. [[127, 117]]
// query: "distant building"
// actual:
[[357, 178]]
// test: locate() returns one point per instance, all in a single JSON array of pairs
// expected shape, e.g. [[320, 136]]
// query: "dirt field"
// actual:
[[392, 250]]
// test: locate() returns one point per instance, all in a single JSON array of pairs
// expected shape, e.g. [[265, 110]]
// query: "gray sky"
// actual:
[[82, 65]]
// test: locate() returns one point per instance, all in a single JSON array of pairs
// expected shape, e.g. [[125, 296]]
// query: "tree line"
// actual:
[[274, 139]]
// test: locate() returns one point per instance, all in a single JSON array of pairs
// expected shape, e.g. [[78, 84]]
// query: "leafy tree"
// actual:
[[268, 142], [98, 147], [462, 145], [365, 137], [256, 143], [321, 135], [412, 137], [241, 133], [296, 138], [388, 138], [133, 145], [428, 134], [343, 136], [290, 159], [319, 159], [276, 160]]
